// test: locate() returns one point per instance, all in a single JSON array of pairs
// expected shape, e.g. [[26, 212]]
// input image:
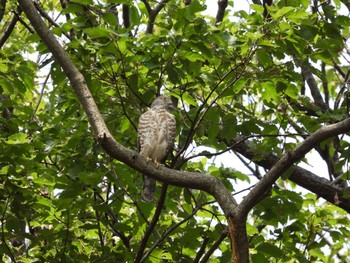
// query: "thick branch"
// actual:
[[222, 5], [2, 8], [199, 181], [126, 16], [8, 31], [239, 239], [316, 94], [304, 178], [153, 14], [287, 160]]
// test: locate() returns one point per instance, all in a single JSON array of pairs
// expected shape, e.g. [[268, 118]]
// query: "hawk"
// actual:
[[156, 135]]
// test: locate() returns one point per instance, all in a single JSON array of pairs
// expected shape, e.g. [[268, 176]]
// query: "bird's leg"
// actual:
[[158, 163]]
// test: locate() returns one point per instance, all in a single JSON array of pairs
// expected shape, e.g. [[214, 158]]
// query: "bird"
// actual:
[[156, 135]]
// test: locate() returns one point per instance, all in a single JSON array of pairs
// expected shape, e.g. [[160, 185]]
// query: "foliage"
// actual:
[[64, 199]]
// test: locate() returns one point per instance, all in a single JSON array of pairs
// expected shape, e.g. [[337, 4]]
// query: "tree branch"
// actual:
[[214, 246], [126, 16], [316, 94], [152, 225], [48, 18], [222, 5], [166, 233], [153, 14], [8, 31], [342, 90], [302, 177], [201, 249], [2, 8]]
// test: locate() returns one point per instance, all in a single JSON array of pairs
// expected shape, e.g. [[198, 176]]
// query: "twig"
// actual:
[[48, 18], [44, 14], [8, 31], [151, 226], [3, 239], [201, 249], [255, 172], [41, 94], [214, 246], [339, 69], [199, 117], [166, 233], [342, 90], [109, 214], [134, 202], [98, 219], [325, 84], [66, 237], [17, 14], [207, 154]]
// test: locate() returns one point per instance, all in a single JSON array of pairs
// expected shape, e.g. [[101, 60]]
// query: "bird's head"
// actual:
[[163, 102]]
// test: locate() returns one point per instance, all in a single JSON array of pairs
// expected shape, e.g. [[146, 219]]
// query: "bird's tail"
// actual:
[[148, 190]]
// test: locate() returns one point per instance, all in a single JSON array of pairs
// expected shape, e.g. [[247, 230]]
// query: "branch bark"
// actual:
[[222, 5], [2, 8], [287, 160], [9, 30], [311, 82], [152, 14], [304, 178]]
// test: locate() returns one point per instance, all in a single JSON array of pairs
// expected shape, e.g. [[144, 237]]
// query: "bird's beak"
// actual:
[[172, 107]]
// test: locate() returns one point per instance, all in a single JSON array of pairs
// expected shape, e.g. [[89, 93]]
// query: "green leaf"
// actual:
[[3, 67], [189, 100], [298, 14], [343, 20], [12, 224], [252, 230], [18, 138], [97, 32], [270, 250], [83, 2], [257, 8], [264, 57], [122, 44], [44, 181], [282, 12], [110, 19], [125, 124], [44, 201], [134, 15], [269, 92], [191, 56], [4, 169]]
